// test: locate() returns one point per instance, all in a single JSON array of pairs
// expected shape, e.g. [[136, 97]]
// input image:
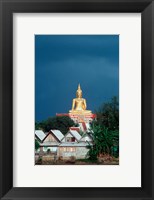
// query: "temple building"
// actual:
[[54, 146], [79, 113]]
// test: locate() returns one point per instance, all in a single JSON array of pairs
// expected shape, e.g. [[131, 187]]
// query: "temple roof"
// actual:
[[58, 134], [40, 134], [75, 134]]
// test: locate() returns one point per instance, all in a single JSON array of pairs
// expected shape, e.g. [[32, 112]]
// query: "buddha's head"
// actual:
[[79, 92]]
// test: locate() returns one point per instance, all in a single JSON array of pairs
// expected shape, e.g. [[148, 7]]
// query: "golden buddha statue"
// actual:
[[79, 104]]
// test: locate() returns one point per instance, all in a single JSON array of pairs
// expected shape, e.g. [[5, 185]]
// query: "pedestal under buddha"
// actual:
[[79, 104]]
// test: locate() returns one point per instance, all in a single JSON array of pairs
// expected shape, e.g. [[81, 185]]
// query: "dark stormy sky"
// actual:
[[63, 61]]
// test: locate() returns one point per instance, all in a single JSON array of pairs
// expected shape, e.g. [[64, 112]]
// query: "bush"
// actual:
[[92, 154], [39, 161], [37, 145], [48, 151], [105, 141]]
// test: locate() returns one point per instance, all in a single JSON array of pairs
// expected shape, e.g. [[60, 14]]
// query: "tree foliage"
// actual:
[[61, 123], [105, 142], [37, 145], [105, 130], [37, 126], [108, 114]]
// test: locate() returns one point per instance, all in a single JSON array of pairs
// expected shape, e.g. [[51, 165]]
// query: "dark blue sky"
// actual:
[[63, 61]]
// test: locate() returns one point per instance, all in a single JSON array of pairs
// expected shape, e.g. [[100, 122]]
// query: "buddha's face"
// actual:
[[79, 94]]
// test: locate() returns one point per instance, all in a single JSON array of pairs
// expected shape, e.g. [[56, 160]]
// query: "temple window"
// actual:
[[68, 139], [70, 149], [64, 148]]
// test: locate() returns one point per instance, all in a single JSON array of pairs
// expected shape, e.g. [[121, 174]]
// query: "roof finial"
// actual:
[[79, 87]]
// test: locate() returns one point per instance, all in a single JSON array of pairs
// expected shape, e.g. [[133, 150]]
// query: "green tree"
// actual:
[[37, 145], [37, 126], [104, 141], [61, 123], [108, 114]]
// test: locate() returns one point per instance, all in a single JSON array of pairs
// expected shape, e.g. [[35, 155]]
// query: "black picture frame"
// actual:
[[7, 8]]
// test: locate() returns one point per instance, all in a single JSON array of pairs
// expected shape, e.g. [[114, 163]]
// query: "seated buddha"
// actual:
[[79, 104]]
